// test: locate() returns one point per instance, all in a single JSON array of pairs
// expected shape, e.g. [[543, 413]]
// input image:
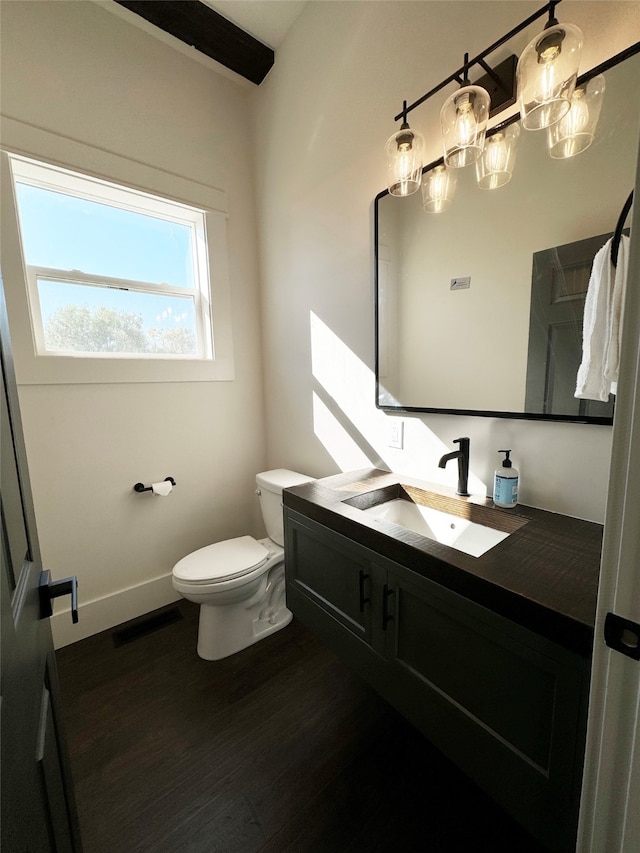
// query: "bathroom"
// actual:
[[300, 159]]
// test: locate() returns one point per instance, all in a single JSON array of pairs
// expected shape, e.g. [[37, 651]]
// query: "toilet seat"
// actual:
[[222, 561]]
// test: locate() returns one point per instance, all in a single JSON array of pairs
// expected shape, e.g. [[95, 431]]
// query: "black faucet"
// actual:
[[462, 455]]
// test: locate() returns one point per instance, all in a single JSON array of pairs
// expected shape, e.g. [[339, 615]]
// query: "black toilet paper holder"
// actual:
[[140, 487]]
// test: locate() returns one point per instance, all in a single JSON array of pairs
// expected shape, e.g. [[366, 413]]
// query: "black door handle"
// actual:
[[622, 635], [49, 589]]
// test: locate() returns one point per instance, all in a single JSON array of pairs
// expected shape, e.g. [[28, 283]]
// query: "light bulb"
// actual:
[[496, 152], [546, 75], [463, 119], [546, 84], [465, 128], [495, 167], [575, 132], [549, 50], [438, 187], [576, 119], [404, 161]]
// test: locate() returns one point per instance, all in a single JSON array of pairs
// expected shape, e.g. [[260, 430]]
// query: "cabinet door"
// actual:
[[507, 706], [330, 571]]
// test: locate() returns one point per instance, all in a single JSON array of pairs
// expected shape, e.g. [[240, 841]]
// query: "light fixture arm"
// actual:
[[478, 60], [552, 14], [465, 70], [405, 123], [495, 77]]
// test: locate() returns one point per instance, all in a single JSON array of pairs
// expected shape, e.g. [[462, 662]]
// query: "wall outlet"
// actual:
[[396, 433]]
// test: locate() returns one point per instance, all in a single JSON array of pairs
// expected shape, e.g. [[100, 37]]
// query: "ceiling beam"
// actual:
[[201, 27]]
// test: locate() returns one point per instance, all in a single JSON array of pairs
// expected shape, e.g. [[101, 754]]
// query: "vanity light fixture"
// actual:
[[547, 73], [495, 167], [438, 187], [463, 120], [546, 78], [404, 151], [574, 133]]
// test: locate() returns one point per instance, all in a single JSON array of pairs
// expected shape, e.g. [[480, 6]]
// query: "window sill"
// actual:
[[67, 370]]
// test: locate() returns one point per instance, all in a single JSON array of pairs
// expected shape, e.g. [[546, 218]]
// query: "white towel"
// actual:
[[612, 355], [602, 325]]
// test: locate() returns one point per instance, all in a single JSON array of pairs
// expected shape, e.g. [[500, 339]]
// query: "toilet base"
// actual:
[[227, 629]]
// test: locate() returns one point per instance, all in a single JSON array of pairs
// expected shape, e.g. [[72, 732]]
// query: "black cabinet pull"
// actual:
[[386, 616], [363, 600], [49, 589]]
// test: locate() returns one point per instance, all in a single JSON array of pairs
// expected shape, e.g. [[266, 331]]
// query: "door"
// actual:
[[38, 807], [560, 279], [610, 808]]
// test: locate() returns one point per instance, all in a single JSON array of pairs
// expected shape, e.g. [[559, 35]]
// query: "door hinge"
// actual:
[[622, 635]]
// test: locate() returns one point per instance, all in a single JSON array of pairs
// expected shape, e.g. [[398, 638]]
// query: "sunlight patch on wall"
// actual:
[[337, 442], [349, 382], [350, 427]]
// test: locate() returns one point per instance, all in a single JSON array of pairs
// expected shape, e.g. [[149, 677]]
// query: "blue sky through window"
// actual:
[[70, 233]]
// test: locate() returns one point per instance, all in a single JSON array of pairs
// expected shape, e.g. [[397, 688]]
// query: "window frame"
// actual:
[[44, 148], [64, 182]]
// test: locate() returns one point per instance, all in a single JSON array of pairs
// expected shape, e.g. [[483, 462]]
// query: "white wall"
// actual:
[[322, 118], [76, 70]]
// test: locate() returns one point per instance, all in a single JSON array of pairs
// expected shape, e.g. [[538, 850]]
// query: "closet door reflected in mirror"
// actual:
[[560, 279]]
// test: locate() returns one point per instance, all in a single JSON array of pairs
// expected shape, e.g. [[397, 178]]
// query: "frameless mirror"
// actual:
[[479, 308]]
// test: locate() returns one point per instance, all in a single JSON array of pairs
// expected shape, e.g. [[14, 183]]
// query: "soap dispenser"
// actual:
[[505, 483]]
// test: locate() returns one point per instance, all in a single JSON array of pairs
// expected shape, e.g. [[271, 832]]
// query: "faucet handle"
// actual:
[[462, 440]]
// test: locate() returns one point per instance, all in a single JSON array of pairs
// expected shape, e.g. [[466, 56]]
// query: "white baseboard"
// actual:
[[111, 610]]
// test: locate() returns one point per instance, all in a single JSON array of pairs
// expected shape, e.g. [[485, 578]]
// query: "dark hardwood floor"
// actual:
[[278, 749]]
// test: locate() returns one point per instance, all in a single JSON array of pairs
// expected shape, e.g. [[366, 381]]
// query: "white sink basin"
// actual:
[[448, 529]]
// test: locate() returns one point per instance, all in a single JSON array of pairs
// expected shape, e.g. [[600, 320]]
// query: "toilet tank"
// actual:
[[270, 485]]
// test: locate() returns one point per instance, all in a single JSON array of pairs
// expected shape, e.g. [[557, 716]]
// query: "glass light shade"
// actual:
[[404, 152], [574, 132], [463, 119], [495, 167], [438, 187], [546, 75]]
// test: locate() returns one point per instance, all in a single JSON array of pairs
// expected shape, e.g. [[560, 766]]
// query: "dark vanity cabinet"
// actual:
[[505, 704]]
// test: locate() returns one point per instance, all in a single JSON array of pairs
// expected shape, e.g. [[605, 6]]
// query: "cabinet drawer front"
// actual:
[[503, 685], [337, 579]]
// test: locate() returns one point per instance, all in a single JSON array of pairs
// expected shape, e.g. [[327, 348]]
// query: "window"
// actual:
[[111, 272], [114, 270]]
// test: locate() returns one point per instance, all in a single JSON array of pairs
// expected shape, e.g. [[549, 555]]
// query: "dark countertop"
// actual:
[[543, 576]]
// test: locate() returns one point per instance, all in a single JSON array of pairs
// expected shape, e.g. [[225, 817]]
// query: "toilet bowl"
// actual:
[[239, 583]]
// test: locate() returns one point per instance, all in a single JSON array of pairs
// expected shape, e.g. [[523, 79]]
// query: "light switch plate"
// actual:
[[396, 433]]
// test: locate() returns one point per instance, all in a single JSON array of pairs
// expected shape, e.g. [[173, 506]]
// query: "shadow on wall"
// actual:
[[353, 431]]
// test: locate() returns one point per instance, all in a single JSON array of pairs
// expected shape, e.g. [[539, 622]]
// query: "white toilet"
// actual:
[[239, 583]]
